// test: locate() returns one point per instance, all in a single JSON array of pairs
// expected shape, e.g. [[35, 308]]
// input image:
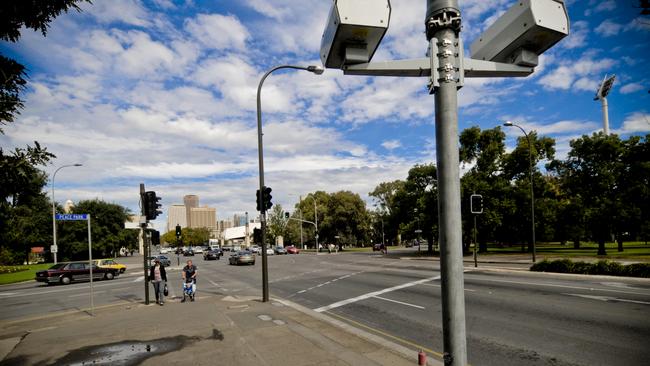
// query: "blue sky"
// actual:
[[163, 92]]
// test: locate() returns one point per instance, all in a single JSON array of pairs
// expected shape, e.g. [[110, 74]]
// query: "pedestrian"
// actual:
[[189, 278], [158, 277]]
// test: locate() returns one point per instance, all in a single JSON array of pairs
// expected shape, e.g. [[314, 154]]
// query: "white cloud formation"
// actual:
[[582, 74], [217, 31], [631, 88], [608, 28], [635, 123], [391, 144]]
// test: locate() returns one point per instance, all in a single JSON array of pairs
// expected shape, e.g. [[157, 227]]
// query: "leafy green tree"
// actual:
[[276, 224]]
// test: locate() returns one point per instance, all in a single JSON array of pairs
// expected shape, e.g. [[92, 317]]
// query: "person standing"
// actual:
[[158, 277]]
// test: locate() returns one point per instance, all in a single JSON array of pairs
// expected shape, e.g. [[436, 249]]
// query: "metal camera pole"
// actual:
[[443, 22]]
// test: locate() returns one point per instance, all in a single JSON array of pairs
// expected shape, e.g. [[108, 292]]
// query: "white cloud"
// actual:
[[130, 12], [216, 31], [581, 74], [577, 37], [608, 28], [636, 122], [631, 88], [391, 144]]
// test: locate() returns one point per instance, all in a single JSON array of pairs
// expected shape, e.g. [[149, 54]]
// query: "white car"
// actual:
[[164, 250], [198, 250], [255, 249], [270, 251]]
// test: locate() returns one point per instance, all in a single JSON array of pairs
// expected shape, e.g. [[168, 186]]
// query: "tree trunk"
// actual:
[[576, 244], [601, 247]]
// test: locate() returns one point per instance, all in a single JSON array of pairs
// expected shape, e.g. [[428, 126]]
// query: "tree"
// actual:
[[276, 224]]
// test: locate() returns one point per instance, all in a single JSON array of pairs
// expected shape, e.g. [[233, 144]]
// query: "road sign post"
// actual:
[[54, 248]]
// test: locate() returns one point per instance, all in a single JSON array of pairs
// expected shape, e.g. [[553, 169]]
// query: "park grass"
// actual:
[[24, 273], [635, 251]]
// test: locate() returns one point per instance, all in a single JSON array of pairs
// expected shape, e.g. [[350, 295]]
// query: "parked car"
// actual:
[[255, 249], [292, 250], [212, 254], [65, 273], [188, 252], [270, 251], [198, 250], [376, 247], [164, 250], [110, 263], [280, 250], [242, 257]]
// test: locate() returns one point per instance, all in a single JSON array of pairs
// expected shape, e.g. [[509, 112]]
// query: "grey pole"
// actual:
[[605, 116], [90, 261], [265, 271], [443, 27], [54, 209], [532, 191], [144, 247], [302, 242]]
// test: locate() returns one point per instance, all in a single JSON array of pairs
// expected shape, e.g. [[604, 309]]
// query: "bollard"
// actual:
[[422, 358]]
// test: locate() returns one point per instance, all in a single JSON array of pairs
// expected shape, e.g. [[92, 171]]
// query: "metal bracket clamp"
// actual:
[[452, 70]]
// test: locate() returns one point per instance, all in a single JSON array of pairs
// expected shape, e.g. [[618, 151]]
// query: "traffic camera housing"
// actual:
[[522, 33], [353, 32]]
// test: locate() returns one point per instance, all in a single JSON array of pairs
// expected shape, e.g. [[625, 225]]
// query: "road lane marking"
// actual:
[[561, 286], [302, 291], [76, 288], [374, 293], [7, 293], [139, 279], [78, 295], [608, 299], [435, 285], [399, 302]]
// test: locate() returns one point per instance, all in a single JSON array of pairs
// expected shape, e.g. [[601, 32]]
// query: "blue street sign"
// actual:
[[72, 217]]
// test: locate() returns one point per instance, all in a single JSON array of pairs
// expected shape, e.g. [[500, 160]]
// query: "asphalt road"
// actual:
[[513, 318]]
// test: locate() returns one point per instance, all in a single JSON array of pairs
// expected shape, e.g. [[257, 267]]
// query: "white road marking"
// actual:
[[609, 298], [139, 279], [80, 288], [435, 285], [214, 283], [399, 302], [561, 286], [302, 291], [7, 293], [374, 293]]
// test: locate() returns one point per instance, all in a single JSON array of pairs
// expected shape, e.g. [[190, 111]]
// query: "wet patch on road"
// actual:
[[125, 353]]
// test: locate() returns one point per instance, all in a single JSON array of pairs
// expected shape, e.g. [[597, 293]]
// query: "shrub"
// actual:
[[603, 267]]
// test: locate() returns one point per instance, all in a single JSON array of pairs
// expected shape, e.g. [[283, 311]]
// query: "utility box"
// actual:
[[353, 32]]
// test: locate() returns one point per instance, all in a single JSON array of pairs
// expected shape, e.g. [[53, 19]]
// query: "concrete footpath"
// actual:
[[213, 330]]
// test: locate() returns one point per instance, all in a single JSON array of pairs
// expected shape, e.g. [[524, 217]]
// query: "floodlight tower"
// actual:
[[601, 94]]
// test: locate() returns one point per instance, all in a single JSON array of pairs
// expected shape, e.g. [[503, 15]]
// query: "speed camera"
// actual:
[[353, 32], [524, 32]]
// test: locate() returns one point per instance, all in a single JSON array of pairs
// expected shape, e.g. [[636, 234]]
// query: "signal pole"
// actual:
[[443, 25], [145, 246]]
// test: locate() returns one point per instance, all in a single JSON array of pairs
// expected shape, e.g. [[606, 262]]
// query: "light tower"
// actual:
[[601, 94]]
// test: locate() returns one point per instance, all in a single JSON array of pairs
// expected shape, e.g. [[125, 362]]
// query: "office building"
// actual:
[[190, 201], [176, 215]]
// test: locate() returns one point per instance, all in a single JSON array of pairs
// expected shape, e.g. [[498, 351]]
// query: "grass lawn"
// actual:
[[21, 276], [631, 251]]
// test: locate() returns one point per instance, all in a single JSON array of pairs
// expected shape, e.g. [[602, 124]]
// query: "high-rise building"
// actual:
[[204, 217], [191, 201], [177, 215], [239, 220]]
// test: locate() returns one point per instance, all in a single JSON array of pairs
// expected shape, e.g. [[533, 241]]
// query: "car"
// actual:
[[280, 250], [292, 250], [188, 253], [255, 249], [164, 250], [270, 251], [110, 263], [212, 254], [242, 257], [198, 250], [164, 260], [376, 247], [179, 250], [227, 248], [65, 273]]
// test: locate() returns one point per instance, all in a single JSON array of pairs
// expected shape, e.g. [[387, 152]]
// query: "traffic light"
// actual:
[[287, 215], [155, 237], [178, 231], [151, 205], [267, 198], [476, 204], [257, 236], [259, 201]]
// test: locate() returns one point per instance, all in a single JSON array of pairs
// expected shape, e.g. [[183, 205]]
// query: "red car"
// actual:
[[292, 250], [64, 273]]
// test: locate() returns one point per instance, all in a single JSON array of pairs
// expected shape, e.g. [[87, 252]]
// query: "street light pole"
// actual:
[[315, 221], [265, 274], [54, 210], [532, 192]]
